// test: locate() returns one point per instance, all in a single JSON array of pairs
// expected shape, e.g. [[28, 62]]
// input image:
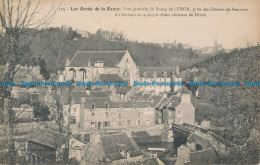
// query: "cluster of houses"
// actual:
[[102, 123]]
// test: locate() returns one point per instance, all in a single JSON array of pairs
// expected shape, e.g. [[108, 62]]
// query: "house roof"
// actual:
[[110, 78], [109, 147], [123, 89], [113, 144], [110, 58], [156, 99], [144, 97], [160, 71], [93, 153], [144, 136], [170, 103], [102, 102], [47, 138], [137, 96]]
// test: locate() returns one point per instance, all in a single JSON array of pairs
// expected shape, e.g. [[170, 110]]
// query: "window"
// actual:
[[92, 106], [107, 106], [92, 114], [128, 122], [154, 74], [165, 74], [139, 122], [106, 114], [73, 120], [139, 114], [106, 124], [120, 115], [92, 124]]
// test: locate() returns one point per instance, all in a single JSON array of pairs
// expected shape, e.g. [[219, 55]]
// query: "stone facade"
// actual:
[[89, 115], [176, 109], [88, 65]]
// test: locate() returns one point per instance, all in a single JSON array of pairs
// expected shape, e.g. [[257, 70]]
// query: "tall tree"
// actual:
[[16, 19]]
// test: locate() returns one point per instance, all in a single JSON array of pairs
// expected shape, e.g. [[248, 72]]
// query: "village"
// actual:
[[126, 123], [106, 88]]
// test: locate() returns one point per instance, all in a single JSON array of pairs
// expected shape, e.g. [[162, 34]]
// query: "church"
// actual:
[[116, 66], [105, 65]]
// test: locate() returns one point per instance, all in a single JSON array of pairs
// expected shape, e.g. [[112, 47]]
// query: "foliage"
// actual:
[[41, 111], [55, 45], [232, 110]]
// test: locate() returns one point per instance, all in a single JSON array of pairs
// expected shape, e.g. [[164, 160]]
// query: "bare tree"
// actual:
[[16, 18]]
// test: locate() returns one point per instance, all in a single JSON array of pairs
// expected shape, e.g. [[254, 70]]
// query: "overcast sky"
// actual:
[[231, 29]]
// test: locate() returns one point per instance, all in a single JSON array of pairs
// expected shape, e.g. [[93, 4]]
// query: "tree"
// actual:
[[16, 18], [41, 111], [45, 73]]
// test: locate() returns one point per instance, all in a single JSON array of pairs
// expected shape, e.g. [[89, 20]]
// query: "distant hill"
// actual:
[[55, 45]]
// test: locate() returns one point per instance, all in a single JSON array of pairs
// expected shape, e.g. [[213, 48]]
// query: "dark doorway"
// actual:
[[198, 147]]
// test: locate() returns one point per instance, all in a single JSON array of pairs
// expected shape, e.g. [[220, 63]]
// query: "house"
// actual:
[[176, 109], [90, 65], [162, 75], [117, 66], [99, 110], [115, 148], [24, 111], [102, 113], [27, 74], [125, 92], [48, 146], [189, 156]]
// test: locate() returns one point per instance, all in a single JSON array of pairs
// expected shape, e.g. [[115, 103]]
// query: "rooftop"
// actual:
[[160, 71], [110, 58]]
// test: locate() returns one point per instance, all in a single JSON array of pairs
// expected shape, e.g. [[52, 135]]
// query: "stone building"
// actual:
[[119, 148], [46, 146], [161, 75], [89, 65], [110, 66], [95, 112], [177, 109]]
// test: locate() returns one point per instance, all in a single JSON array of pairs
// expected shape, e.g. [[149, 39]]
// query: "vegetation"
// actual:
[[232, 110], [55, 45]]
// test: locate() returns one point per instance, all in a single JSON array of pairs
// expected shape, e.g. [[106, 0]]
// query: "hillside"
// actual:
[[55, 45], [233, 110]]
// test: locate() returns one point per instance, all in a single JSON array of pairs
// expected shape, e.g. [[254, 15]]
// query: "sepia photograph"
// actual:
[[128, 82]]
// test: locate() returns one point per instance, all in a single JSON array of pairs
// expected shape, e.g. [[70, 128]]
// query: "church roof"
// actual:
[[110, 78], [110, 58]]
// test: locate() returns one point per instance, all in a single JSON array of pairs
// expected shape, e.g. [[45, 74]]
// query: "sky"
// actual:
[[231, 29]]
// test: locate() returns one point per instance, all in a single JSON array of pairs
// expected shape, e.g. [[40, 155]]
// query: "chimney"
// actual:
[[164, 95], [88, 91], [67, 62], [185, 98], [177, 70], [128, 132], [95, 137], [82, 113]]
